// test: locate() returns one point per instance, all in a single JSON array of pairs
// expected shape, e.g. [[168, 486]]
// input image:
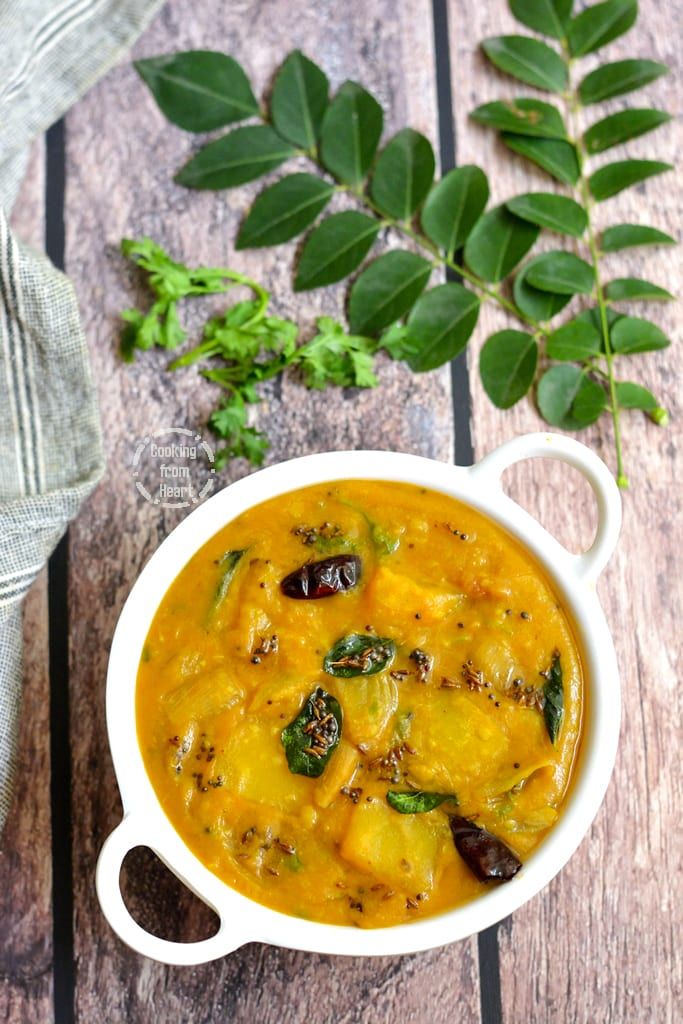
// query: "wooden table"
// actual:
[[599, 945]]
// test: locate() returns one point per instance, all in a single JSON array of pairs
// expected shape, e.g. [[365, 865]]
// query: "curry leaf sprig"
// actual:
[[446, 223], [240, 349]]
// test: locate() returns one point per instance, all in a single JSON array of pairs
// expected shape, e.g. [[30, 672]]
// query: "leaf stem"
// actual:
[[447, 261], [574, 105]]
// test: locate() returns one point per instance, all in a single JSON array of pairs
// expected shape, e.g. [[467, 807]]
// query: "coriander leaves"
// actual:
[[242, 348]]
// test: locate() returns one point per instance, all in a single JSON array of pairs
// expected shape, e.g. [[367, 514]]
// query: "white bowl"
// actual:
[[574, 576]]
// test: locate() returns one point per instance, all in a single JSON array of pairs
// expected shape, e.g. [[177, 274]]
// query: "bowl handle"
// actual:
[[588, 566], [127, 835]]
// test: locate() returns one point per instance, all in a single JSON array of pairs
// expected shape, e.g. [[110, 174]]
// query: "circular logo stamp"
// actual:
[[173, 467]]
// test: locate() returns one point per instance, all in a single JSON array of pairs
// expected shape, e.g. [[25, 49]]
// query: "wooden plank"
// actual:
[[119, 182], [599, 943], [25, 845]]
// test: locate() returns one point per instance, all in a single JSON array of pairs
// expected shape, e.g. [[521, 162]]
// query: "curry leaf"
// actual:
[[576, 341], [562, 273], [529, 60], [440, 325], [454, 206], [567, 398], [417, 801], [299, 100], [526, 117], [630, 334], [198, 90], [351, 131], [537, 304], [624, 289], [626, 236], [359, 655], [335, 248], [618, 128], [507, 365], [635, 396], [599, 24], [309, 744], [228, 565], [403, 175], [549, 17], [548, 210], [386, 289], [553, 693], [613, 178], [555, 156], [616, 79], [284, 210], [497, 243], [246, 153]]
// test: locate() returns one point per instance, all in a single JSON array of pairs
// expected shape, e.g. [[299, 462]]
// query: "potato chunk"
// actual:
[[400, 849], [254, 767]]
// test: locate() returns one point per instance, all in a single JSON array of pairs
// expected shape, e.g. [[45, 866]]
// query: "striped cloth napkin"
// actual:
[[50, 442]]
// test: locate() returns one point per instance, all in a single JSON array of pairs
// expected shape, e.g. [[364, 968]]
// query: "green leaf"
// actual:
[[626, 236], [359, 655], [635, 396], [528, 60], [507, 365], [284, 210], [618, 78], [497, 243], [454, 206], [229, 422], [301, 745], [199, 90], [403, 175], [228, 567], [440, 325], [386, 289], [593, 317], [555, 156], [613, 178], [567, 398], [618, 128], [526, 117], [549, 17], [243, 155], [553, 692], [539, 305], [334, 249], [350, 134], [556, 213], [417, 801], [630, 335], [562, 273], [575, 341], [299, 100], [624, 289], [599, 24], [334, 357]]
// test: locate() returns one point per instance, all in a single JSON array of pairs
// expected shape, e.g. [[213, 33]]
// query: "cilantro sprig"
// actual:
[[242, 348]]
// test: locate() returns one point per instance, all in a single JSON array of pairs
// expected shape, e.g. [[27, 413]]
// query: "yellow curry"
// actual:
[[360, 703]]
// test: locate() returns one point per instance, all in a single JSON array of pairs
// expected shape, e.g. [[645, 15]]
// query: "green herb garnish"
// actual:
[[359, 654], [228, 564], [553, 693], [312, 737], [242, 348], [418, 801]]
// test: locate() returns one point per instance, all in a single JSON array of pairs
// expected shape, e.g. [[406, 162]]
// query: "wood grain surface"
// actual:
[[599, 945]]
